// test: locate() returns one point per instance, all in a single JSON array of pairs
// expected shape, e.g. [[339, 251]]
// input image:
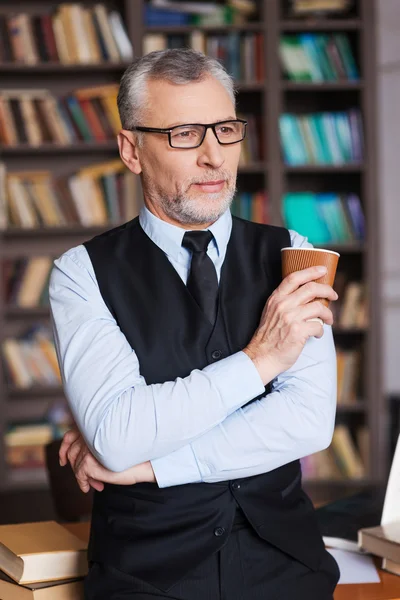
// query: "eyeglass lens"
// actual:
[[189, 136]]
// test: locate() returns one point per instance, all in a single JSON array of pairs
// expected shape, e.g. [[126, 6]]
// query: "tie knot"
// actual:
[[197, 241]]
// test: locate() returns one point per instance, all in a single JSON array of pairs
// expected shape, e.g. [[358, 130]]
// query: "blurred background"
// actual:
[[318, 82]]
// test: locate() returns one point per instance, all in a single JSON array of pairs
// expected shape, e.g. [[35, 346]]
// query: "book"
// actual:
[[382, 540], [43, 551], [55, 590], [391, 566]]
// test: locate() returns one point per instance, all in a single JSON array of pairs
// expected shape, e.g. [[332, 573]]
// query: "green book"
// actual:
[[321, 41], [346, 53], [301, 214], [293, 59], [318, 121]]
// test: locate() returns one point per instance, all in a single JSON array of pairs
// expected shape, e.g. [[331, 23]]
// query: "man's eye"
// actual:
[[185, 134]]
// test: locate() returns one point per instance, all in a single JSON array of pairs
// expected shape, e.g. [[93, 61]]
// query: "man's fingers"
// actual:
[[73, 453], [312, 290], [69, 438], [316, 309], [293, 281], [97, 485]]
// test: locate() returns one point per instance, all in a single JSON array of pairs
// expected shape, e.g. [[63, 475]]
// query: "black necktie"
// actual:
[[202, 282]]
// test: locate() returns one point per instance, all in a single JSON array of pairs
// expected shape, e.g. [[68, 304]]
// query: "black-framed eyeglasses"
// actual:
[[192, 135]]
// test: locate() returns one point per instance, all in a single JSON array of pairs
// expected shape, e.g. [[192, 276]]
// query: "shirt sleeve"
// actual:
[[124, 421], [296, 419]]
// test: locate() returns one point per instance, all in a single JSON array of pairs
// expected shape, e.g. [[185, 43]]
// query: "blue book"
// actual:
[[159, 16], [294, 151], [330, 207], [311, 50], [356, 214], [66, 119], [79, 118]]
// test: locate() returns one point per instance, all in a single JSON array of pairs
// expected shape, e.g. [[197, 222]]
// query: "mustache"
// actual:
[[219, 176]]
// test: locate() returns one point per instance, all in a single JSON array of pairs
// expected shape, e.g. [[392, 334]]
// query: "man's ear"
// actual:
[[128, 151]]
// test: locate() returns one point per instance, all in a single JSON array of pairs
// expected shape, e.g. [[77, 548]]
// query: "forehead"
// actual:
[[171, 104]]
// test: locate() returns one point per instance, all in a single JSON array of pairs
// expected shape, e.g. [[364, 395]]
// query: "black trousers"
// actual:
[[246, 568]]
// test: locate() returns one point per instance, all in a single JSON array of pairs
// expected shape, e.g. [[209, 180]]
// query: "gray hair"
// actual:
[[179, 65]]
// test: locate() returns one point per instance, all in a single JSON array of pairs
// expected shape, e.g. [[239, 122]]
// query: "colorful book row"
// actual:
[[31, 359], [26, 281], [36, 117], [329, 138], [101, 194], [326, 217], [318, 57], [241, 54], [73, 34]]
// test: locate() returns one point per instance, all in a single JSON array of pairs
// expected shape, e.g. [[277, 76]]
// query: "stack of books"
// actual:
[[25, 445], [383, 541], [306, 7], [41, 561]]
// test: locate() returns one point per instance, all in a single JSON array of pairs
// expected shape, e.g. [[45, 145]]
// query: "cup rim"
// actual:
[[311, 250]]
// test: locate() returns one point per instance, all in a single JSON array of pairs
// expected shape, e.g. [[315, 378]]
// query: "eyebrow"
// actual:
[[230, 118]]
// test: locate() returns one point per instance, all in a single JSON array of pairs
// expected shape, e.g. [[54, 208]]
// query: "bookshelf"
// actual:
[[271, 97]]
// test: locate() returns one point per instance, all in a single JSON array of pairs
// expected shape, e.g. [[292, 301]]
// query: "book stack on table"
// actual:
[[41, 561]]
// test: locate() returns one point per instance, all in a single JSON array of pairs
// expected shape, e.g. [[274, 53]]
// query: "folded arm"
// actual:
[[295, 420], [124, 421]]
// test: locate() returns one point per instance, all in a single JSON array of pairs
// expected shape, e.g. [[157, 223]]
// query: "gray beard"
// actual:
[[187, 211]]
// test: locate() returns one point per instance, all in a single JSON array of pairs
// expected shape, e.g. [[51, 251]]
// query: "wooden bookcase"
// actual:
[[271, 97]]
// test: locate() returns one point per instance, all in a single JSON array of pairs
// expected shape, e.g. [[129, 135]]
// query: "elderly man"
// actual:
[[195, 375]]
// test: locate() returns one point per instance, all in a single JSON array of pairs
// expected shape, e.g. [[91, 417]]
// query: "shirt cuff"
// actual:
[[236, 379], [176, 468]]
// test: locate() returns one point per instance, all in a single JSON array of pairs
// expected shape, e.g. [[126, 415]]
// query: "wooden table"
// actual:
[[387, 589]]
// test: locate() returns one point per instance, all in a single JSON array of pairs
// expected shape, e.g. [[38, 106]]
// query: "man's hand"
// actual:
[[90, 473], [285, 324]]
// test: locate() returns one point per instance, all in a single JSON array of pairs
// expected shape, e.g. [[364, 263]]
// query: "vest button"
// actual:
[[216, 354], [219, 531], [236, 486]]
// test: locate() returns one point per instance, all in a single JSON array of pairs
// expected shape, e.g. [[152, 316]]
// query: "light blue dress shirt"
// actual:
[[192, 429]]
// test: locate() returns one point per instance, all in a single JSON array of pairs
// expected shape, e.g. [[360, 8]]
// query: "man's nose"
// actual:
[[211, 151]]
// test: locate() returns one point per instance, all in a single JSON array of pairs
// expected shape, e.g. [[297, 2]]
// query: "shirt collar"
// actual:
[[169, 237]]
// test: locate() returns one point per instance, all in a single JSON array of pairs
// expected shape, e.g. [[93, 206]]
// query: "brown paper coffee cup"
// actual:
[[296, 259]]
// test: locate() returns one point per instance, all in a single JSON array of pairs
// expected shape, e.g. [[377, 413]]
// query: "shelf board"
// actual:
[[17, 312], [35, 391], [356, 407], [26, 409], [25, 479], [338, 330], [323, 86], [349, 483], [255, 167], [346, 248], [184, 29], [54, 67], [250, 86], [321, 24], [49, 148], [20, 232], [310, 169]]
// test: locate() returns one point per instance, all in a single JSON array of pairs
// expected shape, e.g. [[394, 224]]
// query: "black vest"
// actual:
[[158, 534]]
